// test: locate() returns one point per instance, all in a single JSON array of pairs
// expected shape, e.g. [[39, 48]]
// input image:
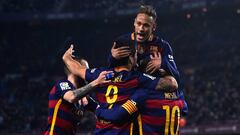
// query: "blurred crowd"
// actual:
[[206, 49], [103, 6]]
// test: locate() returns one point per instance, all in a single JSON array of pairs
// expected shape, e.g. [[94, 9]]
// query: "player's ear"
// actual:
[[134, 22], [154, 26]]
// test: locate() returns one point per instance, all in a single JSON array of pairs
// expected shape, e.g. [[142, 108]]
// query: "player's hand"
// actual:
[[120, 52], [102, 77], [155, 63], [83, 101], [68, 54]]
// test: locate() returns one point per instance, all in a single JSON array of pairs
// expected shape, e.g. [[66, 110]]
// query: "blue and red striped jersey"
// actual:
[[61, 118], [117, 92], [159, 115], [149, 47]]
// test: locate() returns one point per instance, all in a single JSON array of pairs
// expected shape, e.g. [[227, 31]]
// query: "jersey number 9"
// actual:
[[111, 98]]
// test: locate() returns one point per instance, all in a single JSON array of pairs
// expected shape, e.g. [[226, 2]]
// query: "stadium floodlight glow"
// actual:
[[188, 16], [238, 11], [204, 9]]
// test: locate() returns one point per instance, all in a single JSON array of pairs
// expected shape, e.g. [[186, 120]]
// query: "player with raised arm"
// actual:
[[63, 113], [124, 83]]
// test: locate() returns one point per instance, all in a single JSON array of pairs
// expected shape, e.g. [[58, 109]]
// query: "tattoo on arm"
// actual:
[[83, 91]]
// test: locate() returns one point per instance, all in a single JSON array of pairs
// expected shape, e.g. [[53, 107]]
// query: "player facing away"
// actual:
[[124, 83], [157, 115], [63, 113]]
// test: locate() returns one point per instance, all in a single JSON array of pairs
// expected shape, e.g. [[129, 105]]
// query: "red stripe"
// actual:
[[152, 134], [52, 103], [49, 119], [158, 103], [64, 124], [151, 120], [122, 98], [112, 126], [53, 90], [102, 99], [126, 84], [47, 133], [63, 107]]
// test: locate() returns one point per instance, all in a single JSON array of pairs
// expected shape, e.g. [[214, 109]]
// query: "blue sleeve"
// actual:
[[168, 63], [116, 114], [62, 87], [92, 74], [139, 97]]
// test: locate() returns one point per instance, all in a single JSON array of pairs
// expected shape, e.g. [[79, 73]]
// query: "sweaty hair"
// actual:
[[149, 10]]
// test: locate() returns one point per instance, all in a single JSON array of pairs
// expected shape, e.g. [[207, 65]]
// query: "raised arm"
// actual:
[[74, 66]]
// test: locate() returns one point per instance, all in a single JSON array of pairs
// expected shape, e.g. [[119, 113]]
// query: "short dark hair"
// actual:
[[149, 10]]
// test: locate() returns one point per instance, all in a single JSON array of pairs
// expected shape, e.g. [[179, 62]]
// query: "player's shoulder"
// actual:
[[161, 41], [100, 69], [64, 84], [148, 76], [144, 76], [164, 43]]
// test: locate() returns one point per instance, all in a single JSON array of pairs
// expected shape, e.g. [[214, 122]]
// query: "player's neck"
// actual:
[[121, 68], [72, 79], [151, 37]]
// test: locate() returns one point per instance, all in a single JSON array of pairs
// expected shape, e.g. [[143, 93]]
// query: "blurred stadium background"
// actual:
[[204, 35]]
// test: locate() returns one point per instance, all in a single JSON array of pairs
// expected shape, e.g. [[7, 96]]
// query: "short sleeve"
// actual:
[[63, 87], [92, 74]]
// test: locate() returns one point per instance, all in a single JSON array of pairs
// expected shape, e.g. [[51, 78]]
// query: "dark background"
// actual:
[[204, 35]]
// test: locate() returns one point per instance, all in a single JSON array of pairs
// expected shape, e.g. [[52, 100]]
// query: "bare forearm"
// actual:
[[83, 91], [75, 67], [75, 95]]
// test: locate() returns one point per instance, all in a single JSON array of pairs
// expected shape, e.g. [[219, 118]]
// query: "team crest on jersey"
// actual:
[[64, 86], [93, 70], [149, 76], [170, 57]]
